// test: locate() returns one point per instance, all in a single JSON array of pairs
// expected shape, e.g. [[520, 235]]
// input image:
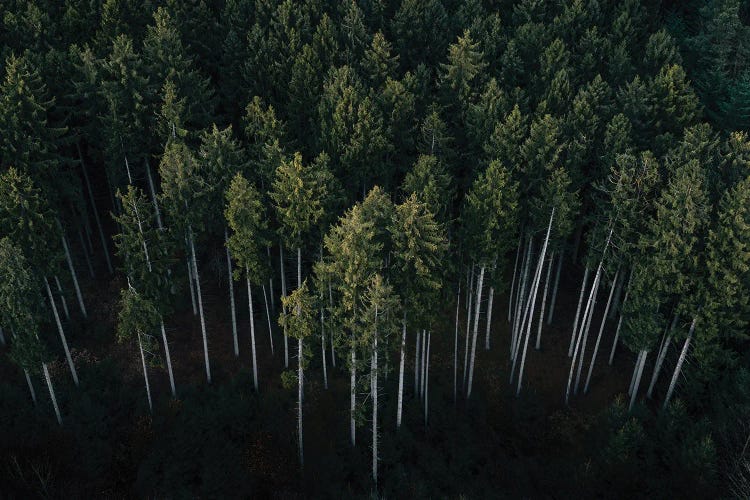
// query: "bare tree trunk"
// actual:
[[399, 407], [270, 279], [417, 363], [62, 300], [554, 289], [330, 303], [601, 331], [468, 326], [455, 346], [169, 358], [660, 357], [252, 327], [578, 311], [30, 384], [86, 256], [94, 209], [427, 380], [62, 333], [300, 382], [544, 302], [489, 319], [231, 295], [616, 300], [73, 273], [196, 275], [520, 300], [191, 286], [353, 396], [52, 393], [268, 317], [635, 372], [585, 333], [153, 195], [323, 349], [474, 336], [283, 308], [423, 368], [680, 361], [145, 373], [513, 281], [374, 389], [637, 383], [619, 322]]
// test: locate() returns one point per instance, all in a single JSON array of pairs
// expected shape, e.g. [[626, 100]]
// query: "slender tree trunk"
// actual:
[[94, 209], [270, 278], [417, 363], [2, 336], [468, 327], [423, 378], [62, 300], [520, 300], [145, 374], [489, 319], [300, 385], [299, 267], [660, 357], [231, 296], [638, 380], [619, 322], [52, 393], [585, 333], [474, 336], [330, 303], [427, 380], [73, 274], [601, 331], [86, 256], [252, 327], [635, 372], [323, 349], [578, 311], [153, 195], [283, 308], [554, 289], [532, 298], [544, 303], [169, 358], [268, 317], [31, 385], [513, 281], [455, 346], [353, 396], [374, 388], [616, 300], [196, 275], [525, 318], [680, 361], [399, 407], [190, 285], [62, 333]]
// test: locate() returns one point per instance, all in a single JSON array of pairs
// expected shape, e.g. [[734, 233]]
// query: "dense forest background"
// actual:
[[285, 249]]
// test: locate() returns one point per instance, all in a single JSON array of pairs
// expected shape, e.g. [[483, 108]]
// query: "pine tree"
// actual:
[[461, 76], [378, 63], [431, 184]]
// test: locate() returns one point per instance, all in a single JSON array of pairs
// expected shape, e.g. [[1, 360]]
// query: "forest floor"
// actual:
[[528, 430]]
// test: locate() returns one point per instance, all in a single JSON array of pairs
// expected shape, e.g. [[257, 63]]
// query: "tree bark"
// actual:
[[153, 195], [660, 357], [520, 300], [268, 317], [417, 363], [145, 373], [513, 281], [169, 358], [374, 388], [252, 327], [86, 256], [330, 303], [554, 289], [52, 393], [270, 278], [190, 285], [455, 346], [474, 335], [578, 311], [231, 296], [400, 404], [601, 331], [94, 209], [300, 382], [423, 378], [62, 300], [62, 333], [353, 396], [323, 349], [427, 380], [616, 300], [489, 319], [468, 327], [680, 361], [638, 380], [585, 333], [544, 303], [30, 384], [73, 275], [196, 275], [619, 322], [283, 308]]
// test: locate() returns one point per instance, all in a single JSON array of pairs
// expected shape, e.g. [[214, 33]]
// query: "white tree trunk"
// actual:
[[62, 300], [616, 300], [637, 383], [152, 191], [532, 298], [252, 327], [231, 296], [268, 317], [455, 346], [169, 358], [554, 289], [270, 278], [62, 333], [489, 319], [601, 331], [544, 303], [145, 373], [476, 332], [86, 256], [283, 308], [94, 209], [660, 357], [423, 379], [31, 385], [635, 372], [323, 349], [353, 397], [578, 311], [374, 388], [191, 286], [680, 361], [585, 333], [330, 303], [52, 393], [619, 322], [417, 363], [513, 281], [520, 300], [199, 295], [468, 327], [299, 267], [399, 406], [73, 275], [427, 380], [300, 382]]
